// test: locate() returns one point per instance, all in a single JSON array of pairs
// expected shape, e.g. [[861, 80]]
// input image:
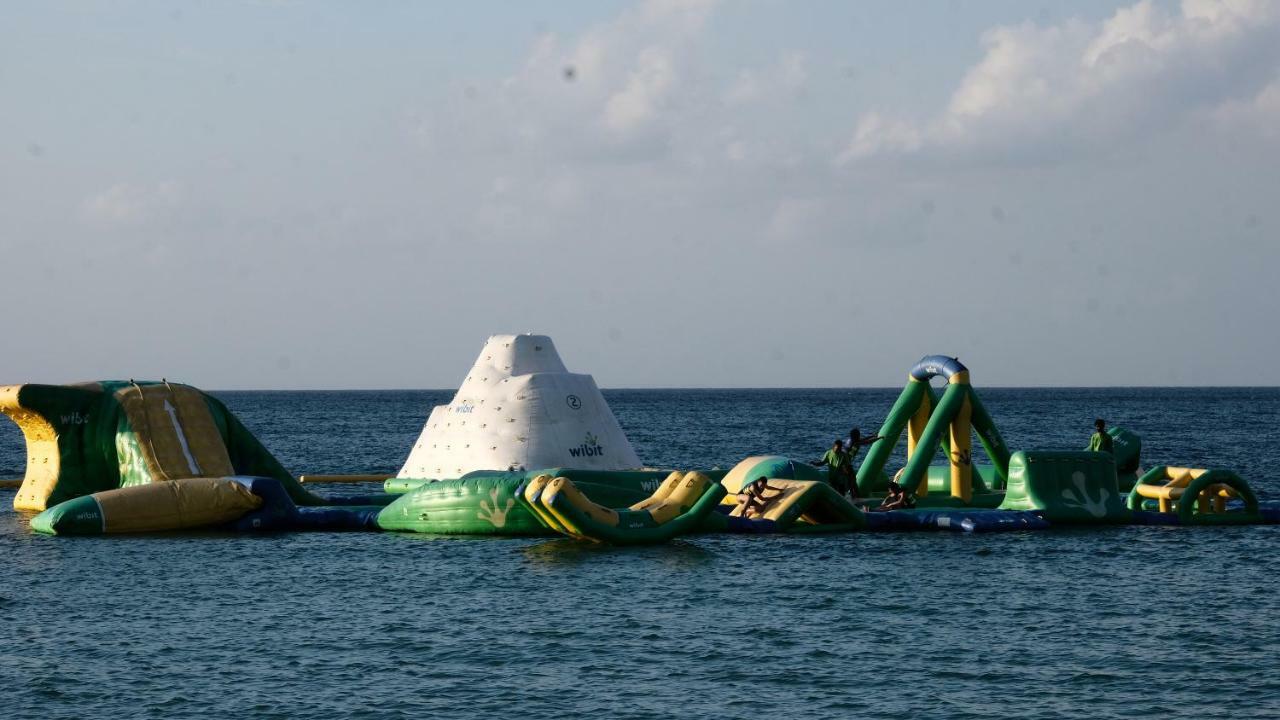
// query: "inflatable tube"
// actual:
[[677, 507], [400, 486], [173, 505], [931, 366]]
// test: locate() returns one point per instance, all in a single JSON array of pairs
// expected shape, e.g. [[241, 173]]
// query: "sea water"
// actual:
[[1096, 623]]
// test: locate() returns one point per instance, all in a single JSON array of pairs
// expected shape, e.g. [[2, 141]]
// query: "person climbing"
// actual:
[[1101, 440], [752, 500], [897, 499], [856, 442], [840, 469]]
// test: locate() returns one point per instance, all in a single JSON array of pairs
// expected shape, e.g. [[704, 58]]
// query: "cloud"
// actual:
[[132, 204], [614, 85], [795, 219], [1258, 115], [1081, 86], [638, 102], [788, 76]]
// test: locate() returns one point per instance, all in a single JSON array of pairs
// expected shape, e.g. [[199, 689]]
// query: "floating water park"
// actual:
[[526, 448]]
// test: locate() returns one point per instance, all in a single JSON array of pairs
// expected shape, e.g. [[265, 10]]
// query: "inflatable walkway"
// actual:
[[91, 437], [677, 507]]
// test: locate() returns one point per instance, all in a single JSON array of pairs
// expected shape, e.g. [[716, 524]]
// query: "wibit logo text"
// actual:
[[590, 447]]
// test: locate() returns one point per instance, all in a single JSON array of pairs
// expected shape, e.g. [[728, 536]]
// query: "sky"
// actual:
[[757, 193]]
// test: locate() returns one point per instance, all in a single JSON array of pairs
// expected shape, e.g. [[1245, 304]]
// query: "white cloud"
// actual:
[[639, 101], [128, 204], [1258, 115], [788, 76], [1139, 72], [615, 83], [795, 219]]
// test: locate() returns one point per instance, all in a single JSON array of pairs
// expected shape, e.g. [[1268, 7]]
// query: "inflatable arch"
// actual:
[[931, 423]]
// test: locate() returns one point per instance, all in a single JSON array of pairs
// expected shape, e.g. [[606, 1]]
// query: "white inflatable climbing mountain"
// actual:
[[519, 408]]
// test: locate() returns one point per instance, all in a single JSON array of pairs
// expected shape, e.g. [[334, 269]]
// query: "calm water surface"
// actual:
[[1127, 622]]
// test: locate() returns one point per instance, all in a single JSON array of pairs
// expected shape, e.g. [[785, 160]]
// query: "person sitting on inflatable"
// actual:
[[752, 501], [897, 499]]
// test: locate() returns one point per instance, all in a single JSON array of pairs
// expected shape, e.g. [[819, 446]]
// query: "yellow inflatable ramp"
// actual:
[[172, 434]]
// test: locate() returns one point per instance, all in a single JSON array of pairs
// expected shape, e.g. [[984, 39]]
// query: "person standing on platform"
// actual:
[[1101, 440], [840, 469]]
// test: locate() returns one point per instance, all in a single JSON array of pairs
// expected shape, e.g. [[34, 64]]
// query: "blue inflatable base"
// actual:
[[955, 520], [279, 513]]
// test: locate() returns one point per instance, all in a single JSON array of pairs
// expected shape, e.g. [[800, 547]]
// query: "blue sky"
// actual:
[[339, 195]]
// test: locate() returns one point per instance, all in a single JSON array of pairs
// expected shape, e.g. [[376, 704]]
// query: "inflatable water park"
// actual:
[[527, 448]]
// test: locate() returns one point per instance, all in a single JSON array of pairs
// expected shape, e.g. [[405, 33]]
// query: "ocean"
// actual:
[[1097, 623]]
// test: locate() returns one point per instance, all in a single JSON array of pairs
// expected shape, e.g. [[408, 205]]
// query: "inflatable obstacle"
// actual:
[[1196, 496], [1067, 487], [519, 408], [239, 504], [90, 437], [773, 467], [486, 503], [933, 423], [675, 508], [794, 506]]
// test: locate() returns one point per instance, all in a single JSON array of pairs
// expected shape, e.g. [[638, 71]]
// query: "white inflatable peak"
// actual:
[[519, 408]]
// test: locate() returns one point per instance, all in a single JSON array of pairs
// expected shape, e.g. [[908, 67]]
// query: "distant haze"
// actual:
[[757, 193]]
